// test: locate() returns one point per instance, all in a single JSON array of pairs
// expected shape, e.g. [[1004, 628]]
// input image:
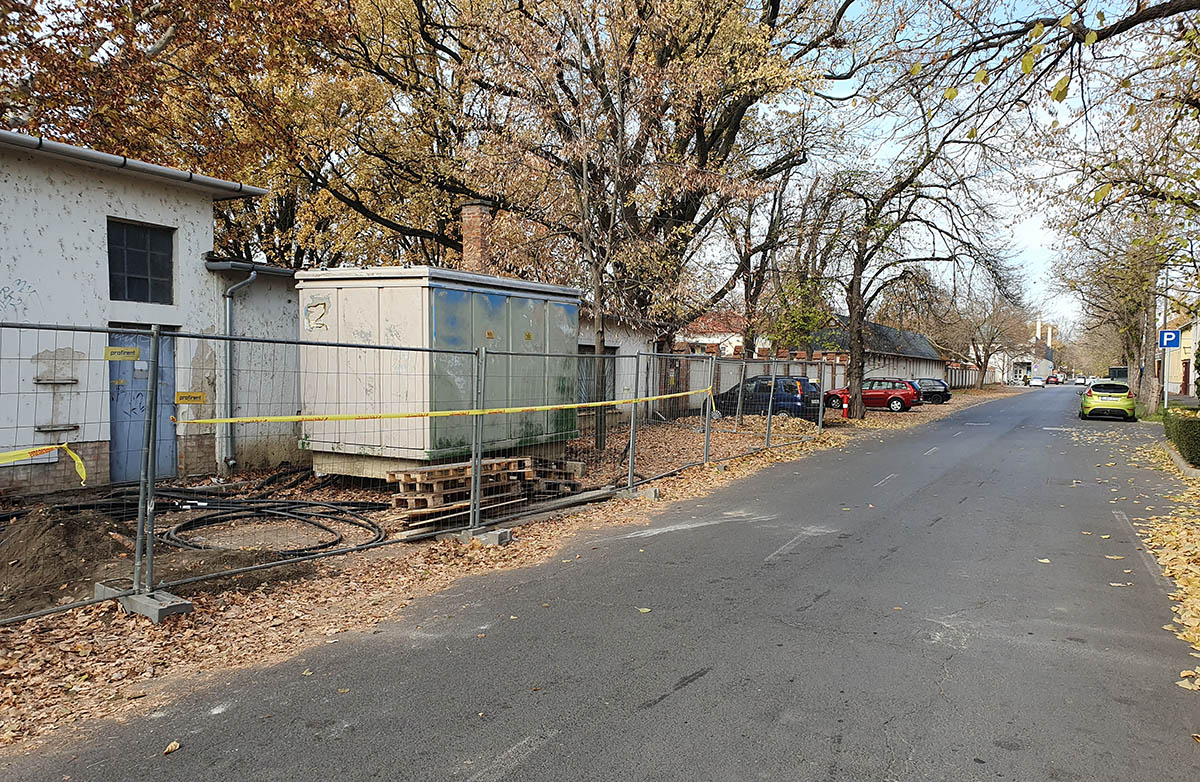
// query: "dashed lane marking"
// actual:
[[885, 480], [807, 532]]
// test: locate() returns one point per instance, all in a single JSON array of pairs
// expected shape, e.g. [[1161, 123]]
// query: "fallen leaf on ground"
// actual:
[[1105, 537], [643, 610], [174, 745], [1044, 561], [1084, 532], [1113, 556], [306, 672]]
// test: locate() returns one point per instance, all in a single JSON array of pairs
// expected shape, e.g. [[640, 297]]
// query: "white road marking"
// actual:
[[807, 532], [931, 450], [1151, 564], [978, 423], [218, 709], [885, 480], [956, 434], [686, 525], [512, 757], [1055, 429]]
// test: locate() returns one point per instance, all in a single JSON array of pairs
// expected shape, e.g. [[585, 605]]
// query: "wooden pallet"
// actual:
[[555, 486], [424, 517], [459, 470], [432, 501], [458, 484]]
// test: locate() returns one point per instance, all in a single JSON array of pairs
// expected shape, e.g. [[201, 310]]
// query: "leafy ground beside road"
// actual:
[[61, 673]]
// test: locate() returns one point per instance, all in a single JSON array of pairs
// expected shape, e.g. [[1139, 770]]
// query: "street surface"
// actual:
[[877, 613]]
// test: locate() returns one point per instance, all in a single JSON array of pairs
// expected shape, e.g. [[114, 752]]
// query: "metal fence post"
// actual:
[[737, 422], [771, 403], [480, 377], [147, 468], [152, 424], [820, 408], [637, 360], [708, 407]]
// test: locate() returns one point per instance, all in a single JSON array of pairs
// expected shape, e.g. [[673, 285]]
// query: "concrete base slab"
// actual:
[[491, 537], [646, 492], [155, 605]]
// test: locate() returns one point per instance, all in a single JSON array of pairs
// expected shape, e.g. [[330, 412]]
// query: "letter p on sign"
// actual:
[[1169, 338]]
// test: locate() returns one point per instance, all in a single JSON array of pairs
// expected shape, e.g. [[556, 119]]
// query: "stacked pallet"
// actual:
[[443, 492], [555, 478]]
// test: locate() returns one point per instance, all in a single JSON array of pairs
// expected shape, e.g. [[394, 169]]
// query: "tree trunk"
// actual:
[[1150, 389], [600, 360], [856, 306]]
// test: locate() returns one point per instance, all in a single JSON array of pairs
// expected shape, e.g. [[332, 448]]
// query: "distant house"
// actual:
[[720, 332], [1179, 376], [890, 352], [99, 240]]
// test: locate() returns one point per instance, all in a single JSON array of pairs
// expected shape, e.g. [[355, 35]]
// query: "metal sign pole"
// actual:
[[820, 407], [1166, 373]]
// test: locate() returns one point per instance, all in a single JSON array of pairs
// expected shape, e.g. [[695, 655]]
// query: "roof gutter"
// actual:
[[215, 263], [221, 188]]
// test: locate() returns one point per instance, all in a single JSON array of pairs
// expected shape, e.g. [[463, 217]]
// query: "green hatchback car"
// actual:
[[1107, 397]]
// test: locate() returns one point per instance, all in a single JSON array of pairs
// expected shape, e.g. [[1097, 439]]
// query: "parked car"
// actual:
[[1052, 380], [1080, 380], [933, 390], [797, 397], [893, 393], [1108, 397], [1092, 379], [1037, 382]]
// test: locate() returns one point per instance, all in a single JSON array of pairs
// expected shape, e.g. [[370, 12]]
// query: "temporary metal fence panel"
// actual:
[[277, 452], [73, 410]]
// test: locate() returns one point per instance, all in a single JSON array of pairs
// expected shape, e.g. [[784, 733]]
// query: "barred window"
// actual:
[[140, 263]]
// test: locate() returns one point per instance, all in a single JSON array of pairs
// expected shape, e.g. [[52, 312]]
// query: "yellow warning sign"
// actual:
[[190, 397], [21, 455], [490, 334], [122, 354]]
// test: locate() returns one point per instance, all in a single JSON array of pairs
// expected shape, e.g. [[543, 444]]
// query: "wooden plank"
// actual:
[[432, 502], [459, 469]]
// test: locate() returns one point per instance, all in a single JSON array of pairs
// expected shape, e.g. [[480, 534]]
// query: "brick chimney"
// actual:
[[476, 225]]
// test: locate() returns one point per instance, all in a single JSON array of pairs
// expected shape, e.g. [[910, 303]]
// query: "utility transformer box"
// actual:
[[442, 316]]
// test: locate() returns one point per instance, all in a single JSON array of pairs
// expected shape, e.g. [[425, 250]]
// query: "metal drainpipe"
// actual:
[[228, 459]]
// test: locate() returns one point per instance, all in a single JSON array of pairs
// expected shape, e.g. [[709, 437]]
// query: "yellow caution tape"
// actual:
[[28, 453], [435, 413]]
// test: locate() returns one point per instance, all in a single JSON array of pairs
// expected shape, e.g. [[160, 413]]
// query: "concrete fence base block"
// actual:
[[155, 605], [491, 537], [646, 492]]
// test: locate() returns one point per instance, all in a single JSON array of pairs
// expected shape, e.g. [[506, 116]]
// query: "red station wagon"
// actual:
[[894, 394]]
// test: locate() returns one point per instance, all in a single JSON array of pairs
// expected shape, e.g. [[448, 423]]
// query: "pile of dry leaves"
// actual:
[[65, 670], [1174, 539]]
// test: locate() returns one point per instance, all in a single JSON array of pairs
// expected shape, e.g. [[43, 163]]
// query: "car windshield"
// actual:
[[1110, 388]]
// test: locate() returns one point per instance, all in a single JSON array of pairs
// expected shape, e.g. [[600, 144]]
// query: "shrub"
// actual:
[[1183, 429]]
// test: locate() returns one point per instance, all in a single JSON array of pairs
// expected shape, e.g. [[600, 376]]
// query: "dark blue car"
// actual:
[[795, 397]]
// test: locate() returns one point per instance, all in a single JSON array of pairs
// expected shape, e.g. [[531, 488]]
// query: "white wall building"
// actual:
[[99, 240]]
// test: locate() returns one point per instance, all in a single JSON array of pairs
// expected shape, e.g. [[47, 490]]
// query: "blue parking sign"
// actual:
[[1169, 338]]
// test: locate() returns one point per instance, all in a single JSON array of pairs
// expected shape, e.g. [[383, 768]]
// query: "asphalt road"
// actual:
[[877, 613]]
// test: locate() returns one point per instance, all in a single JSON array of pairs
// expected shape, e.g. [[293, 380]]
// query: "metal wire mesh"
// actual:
[[274, 452]]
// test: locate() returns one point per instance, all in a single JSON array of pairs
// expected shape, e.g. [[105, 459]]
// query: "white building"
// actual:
[[98, 240]]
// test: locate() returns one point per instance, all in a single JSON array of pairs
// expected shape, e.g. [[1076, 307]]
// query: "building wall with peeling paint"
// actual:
[[55, 386]]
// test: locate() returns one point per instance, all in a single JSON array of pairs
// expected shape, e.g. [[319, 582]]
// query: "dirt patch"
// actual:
[[50, 558]]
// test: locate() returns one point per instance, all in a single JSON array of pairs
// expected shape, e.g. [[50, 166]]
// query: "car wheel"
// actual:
[[1082, 417], [938, 399], [896, 405], [835, 403], [781, 416]]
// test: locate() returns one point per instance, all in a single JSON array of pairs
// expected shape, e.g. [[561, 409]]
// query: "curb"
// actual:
[[1180, 462]]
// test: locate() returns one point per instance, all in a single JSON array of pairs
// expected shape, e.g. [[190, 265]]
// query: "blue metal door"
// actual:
[[128, 395]]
